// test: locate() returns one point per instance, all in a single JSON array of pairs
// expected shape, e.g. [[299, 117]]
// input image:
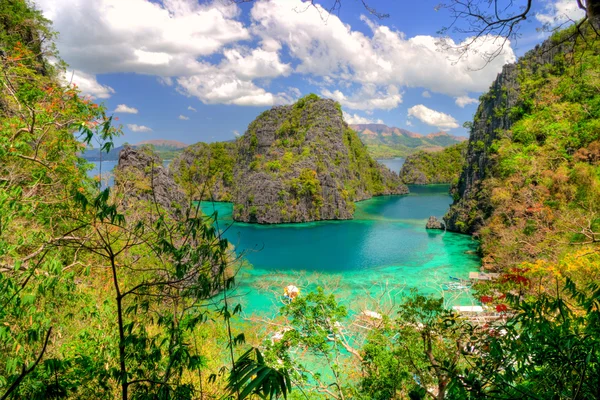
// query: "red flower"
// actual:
[[486, 299], [501, 308]]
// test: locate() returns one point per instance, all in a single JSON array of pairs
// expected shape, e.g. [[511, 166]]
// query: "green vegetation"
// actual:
[[442, 166], [165, 151], [102, 295], [303, 146], [541, 191], [122, 294], [387, 142], [205, 171]]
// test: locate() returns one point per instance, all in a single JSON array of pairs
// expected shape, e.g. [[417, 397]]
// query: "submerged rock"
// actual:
[[434, 223]]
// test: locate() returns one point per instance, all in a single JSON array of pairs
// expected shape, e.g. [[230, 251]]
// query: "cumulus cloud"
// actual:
[[138, 128], [426, 94], [367, 98], [432, 117], [210, 52], [191, 108], [463, 101], [385, 57], [183, 117], [357, 119], [123, 108], [218, 86], [88, 84], [158, 38], [560, 11]]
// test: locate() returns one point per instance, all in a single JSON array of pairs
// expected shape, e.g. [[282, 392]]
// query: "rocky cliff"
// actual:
[[498, 110], [303, 163], [142, 178]]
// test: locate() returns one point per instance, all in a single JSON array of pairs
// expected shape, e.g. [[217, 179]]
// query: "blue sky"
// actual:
[[192, 70]]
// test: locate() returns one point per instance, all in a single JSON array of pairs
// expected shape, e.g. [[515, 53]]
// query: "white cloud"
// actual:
[[357, 119], [236, 133], [157, 38], [367, 98], [165, 81], [386, 57], [463, 101], [88, 84], [432, 117], [123, 108], [183, 117], [426, 94], [210, 52], [560, 11], [294, 91], [217, 86], [191, 108], [138, 128], [257, 63]]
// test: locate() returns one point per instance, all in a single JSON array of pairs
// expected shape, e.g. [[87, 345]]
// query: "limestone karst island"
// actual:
[[289, 199]]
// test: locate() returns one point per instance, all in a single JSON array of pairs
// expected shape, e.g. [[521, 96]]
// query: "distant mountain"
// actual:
[[163, 143], [384, 141], [166, 149]]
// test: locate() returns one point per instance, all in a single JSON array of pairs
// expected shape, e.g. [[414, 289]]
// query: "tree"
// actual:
[[503, 20], [548, 349]]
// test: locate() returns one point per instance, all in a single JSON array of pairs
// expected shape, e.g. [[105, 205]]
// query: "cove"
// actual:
[[369, 262]]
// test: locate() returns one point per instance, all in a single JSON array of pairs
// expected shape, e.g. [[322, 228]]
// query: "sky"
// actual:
[[196, 70]]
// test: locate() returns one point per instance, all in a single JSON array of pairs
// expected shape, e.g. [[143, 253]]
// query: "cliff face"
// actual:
[[141, 176], [493, 120], [303, 163]]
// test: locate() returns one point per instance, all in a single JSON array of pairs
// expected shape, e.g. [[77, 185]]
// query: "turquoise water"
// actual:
[[368, 262]]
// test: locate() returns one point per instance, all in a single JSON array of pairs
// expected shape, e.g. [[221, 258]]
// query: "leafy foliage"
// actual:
[[442, 166], [205, 171]]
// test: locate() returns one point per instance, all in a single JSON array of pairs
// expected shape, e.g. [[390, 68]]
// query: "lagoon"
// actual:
[[368, 262]]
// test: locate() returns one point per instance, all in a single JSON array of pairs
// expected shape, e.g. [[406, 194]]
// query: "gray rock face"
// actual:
[[413, 175], [142, 176], [434, 223], [302, 163], [492, 121]]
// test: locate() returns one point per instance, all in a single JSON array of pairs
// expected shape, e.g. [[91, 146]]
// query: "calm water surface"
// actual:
[[367, 262]]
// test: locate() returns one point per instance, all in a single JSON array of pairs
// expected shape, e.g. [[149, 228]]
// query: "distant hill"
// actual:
[[166, 149], [163, 143], [384, 141]]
